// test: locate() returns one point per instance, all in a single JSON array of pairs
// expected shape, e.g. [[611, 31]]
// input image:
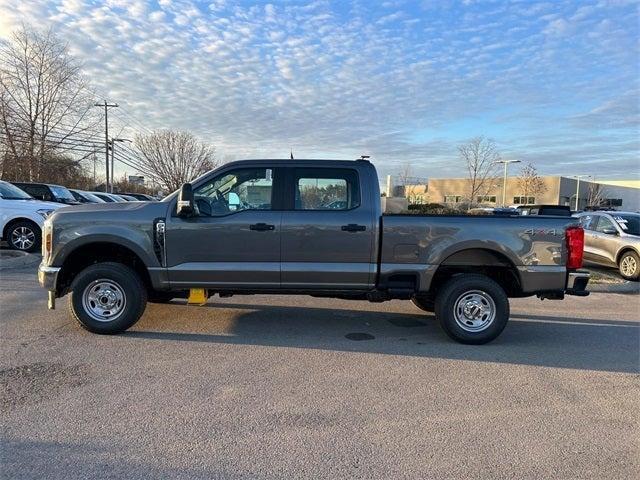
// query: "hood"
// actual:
[[114, 211], [33, 204]]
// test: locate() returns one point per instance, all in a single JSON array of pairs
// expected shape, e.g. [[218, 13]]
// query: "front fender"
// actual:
[[68, 239]]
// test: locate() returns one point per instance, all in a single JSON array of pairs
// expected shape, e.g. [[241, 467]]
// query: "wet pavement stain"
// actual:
[[358, 336]]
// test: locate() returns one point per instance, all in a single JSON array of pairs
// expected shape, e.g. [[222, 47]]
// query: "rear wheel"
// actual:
[[424, 302], [472, 309], [24, 235], [107, 298], [629, 266]]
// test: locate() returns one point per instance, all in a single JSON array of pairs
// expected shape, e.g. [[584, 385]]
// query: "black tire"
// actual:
[[424, 302], [625, 266], [119, 276], [18, 232], [480, 294]]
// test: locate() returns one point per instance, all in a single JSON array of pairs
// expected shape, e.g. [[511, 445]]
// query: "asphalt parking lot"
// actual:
[[272, 387]]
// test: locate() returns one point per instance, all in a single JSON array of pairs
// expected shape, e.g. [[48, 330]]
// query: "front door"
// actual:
[[327, 232], [233, 240]]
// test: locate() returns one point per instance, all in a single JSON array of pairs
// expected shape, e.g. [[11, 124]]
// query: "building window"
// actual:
[[486, 199], [524, 200], [452, 198]]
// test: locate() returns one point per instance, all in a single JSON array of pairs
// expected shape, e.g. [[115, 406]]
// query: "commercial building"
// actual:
[[556, 190]]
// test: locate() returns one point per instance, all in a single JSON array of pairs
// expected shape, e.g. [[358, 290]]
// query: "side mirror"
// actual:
[[609, 231], [185, 206]]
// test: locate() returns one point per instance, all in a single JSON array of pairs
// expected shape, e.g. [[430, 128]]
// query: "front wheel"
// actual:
[[107, 298], [472, 309], [629, 266], [24, 235]]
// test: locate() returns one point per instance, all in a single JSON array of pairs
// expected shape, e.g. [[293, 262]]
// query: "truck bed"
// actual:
[[534, 245]]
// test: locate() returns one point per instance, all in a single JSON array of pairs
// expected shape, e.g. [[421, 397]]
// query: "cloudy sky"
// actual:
[[555, 83]]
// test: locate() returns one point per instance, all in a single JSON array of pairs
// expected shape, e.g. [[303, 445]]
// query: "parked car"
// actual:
[[263, 226], [85, 197], [612, 239], [143, 197], [127, 198], [48, 192], [22, 217], [555, 210], [108, 197]]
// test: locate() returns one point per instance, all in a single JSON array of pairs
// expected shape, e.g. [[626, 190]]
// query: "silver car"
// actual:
[[613, 239]]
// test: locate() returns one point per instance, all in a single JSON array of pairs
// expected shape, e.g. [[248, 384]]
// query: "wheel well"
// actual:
[[99, 252], [14, 221], [494, 265], [622, 252]]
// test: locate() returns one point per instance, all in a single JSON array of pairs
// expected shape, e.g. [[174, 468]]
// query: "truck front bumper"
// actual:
[[577, 283], [48, 279]]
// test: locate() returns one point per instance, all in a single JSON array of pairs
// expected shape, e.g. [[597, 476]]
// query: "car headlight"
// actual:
[[45, 212]]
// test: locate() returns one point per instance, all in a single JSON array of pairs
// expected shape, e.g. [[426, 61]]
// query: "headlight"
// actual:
[[47, 241], [44, 212]]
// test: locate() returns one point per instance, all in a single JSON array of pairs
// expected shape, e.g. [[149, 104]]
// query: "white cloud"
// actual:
[[255, 78]]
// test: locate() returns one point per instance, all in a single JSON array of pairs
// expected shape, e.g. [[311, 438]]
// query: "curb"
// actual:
[[17, 259]]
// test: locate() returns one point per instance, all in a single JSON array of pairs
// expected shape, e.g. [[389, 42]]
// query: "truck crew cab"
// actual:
[[311, 227]]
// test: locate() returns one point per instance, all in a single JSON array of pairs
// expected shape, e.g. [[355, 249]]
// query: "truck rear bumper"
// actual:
[[577, 283]]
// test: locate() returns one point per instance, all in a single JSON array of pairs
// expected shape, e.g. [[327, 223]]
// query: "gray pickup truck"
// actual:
[[310, 227]]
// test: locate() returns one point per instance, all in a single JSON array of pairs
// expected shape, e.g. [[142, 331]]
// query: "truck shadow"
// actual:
[[560, 342]]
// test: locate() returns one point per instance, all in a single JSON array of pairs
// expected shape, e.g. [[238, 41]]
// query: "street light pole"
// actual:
[[578, 177], [504, 181]]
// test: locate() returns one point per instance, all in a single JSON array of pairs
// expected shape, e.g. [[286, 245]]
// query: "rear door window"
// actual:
[[326, 189]]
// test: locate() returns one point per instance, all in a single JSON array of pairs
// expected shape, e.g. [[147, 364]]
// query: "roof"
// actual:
[[306, 161]]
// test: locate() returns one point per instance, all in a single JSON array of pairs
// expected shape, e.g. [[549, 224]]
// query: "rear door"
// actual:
[[233, 242], [589, 222], [327, 231]]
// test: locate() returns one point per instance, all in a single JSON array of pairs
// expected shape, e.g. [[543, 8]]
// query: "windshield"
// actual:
[[11, 192], [628, 223], [92, 197], [62, 193]]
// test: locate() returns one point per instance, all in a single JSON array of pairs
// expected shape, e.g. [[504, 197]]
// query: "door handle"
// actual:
[[352, 227], [261, 227]]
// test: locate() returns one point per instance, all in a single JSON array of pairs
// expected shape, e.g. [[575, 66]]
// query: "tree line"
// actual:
[[50, 129]]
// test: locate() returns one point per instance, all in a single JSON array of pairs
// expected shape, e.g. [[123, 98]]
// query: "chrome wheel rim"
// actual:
[[23, 238], [104, 300], [628, 266], [474, 311]]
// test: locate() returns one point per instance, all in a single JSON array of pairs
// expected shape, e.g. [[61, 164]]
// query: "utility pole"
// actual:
[[578, 177], [504, 181], [113, 152], [106, 138]]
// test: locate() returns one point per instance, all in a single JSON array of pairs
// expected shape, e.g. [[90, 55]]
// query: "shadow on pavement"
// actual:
[[561, 342]]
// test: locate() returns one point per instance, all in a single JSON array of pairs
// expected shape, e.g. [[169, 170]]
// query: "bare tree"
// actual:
[[530, 183], [595, 195], [479, 155], [44, 103], [171, 158]]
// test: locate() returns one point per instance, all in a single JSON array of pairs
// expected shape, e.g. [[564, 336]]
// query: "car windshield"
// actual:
[[629, 224], [11, 192], [62, 193], [92, 197]]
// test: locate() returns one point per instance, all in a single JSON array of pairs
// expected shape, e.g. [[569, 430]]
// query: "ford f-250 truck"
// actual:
[[311, 227]]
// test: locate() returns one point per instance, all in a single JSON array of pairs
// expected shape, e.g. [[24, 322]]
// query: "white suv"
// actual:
[[22, 217]]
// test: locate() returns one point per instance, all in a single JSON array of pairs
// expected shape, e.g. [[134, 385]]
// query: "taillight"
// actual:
[[575, 247]]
